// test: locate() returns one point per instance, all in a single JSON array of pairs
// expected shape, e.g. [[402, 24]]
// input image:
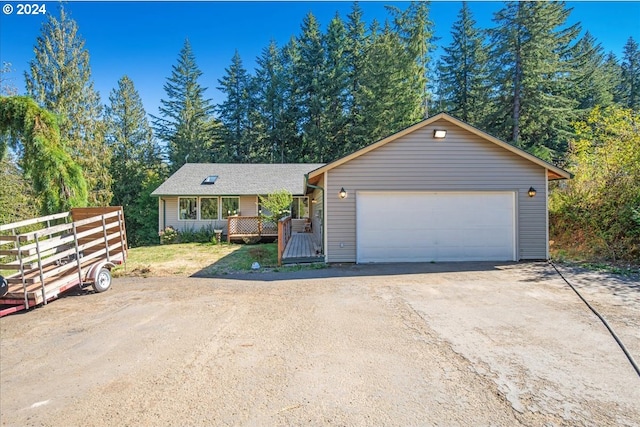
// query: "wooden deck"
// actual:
[[302, 247]]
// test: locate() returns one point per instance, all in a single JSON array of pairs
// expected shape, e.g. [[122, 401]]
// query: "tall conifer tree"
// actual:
[[136, 160], [629, 89], [186, 122], [464, 71], [59, 79]]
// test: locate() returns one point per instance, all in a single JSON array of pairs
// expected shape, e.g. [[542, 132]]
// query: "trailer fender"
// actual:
[[99, 275], [4, 286]]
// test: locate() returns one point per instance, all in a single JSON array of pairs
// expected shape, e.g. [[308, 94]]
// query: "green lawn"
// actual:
[[186, 259]]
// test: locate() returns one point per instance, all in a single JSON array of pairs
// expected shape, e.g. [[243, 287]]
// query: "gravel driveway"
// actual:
[[435, 344]]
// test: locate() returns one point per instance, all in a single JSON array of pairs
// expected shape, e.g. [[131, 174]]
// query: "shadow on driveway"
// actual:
[[361, 270]]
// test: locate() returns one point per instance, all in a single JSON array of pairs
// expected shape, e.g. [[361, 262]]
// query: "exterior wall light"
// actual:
[[531, 192], [439, 133], [343, 193]]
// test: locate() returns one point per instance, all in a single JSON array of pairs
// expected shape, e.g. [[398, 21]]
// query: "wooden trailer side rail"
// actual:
[[52, 259]]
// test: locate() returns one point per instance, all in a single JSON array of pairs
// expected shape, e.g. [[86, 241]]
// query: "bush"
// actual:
[[168, 235]]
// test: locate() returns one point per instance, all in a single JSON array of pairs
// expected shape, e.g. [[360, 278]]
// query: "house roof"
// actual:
[[235, 179], [553, 172]]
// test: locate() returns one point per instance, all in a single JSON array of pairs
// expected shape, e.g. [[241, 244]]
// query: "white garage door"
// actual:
[[435, 226]]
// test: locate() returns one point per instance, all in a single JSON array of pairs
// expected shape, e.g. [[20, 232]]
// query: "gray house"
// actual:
[[440, 190]]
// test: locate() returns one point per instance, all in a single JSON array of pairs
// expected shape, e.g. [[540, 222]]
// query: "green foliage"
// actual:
[[186, 121], [602, 201], [629, 86], [59, 79], [16, 194], [33, 131], [277, 205], [464, 75], [168, 235], [136, 163]]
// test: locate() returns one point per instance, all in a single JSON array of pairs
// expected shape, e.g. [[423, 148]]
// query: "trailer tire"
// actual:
[[103, 280], [4, 286]]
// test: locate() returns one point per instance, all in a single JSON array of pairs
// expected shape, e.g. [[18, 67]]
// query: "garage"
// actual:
[[435, 226]]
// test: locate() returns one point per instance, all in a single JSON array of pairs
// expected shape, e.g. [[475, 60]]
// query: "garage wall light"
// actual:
[[439, 133], [343, 193], [531, 192]]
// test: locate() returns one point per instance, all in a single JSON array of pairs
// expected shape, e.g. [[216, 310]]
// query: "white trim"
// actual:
[[325, 216], [546, 209], [197, 209]]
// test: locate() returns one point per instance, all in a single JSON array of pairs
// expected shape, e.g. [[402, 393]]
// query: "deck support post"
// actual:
[[44, 293]]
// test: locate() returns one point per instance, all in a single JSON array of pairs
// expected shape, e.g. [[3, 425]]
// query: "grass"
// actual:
[[186, 259]]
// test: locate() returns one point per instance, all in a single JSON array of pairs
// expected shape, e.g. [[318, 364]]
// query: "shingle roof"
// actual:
[[236, 179]]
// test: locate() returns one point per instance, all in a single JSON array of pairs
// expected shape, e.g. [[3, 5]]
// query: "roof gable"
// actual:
[[235, 179], [553, 172]]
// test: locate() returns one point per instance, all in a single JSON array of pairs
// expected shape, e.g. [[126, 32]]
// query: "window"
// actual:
[[208, 208], [187, 208], [300, 208], [230, 206], [211, 179]]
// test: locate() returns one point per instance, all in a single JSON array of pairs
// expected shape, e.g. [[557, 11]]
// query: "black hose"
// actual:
[[603, 320]]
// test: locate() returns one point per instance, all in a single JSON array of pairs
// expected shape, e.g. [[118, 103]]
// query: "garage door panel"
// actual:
[[406, 227]]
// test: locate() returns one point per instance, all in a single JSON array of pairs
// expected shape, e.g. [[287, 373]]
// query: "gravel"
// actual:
[[448, 344]]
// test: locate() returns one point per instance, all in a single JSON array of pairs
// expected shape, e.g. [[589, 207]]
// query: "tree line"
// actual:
[[527, 80]]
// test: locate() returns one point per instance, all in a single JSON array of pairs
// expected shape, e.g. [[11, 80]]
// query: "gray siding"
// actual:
[[417, 161], [248, 207]]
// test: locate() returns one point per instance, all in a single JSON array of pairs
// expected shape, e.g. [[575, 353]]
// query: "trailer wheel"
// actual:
[[103, 280], [4, 286]]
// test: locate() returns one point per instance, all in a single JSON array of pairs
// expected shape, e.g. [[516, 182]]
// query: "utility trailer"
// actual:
[[43, 257]]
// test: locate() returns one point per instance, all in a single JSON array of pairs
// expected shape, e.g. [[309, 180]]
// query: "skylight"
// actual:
[[211, 179]]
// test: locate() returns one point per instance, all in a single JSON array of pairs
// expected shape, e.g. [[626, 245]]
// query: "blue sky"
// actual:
[[142, 39]]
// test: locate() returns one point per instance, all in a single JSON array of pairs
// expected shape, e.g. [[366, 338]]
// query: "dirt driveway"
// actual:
[[437, 344]]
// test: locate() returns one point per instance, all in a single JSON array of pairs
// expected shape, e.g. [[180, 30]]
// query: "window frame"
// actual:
[[197, 208], [299, 200], [225, 214], [217, 204]]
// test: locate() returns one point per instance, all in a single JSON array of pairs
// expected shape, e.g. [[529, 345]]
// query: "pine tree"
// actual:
[[356, 54], [234, 112], [290, 130], [59, 79], [463, 74], [310, 71], [416, 32], [532, 69], [270, 103], [135, 156], [592, 83], [335, 91], [629, 89], [186, 123]]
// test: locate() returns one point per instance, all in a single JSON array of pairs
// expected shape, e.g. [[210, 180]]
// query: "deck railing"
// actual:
[[243, 226], [284, 234]]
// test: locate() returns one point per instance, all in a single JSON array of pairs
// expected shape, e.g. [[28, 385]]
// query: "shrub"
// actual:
[[168, 235]]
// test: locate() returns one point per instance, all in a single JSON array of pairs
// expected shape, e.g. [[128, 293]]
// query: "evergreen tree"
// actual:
[[593, 84], [356, 54], [390, 105], [463, 74], [310, 73], [59, 79], [629, 89], [416, 32], [134, 156], [270, 103], [290, 132], [335, 91], [234, 112], [185, 123], [17, 199], [532, 66]]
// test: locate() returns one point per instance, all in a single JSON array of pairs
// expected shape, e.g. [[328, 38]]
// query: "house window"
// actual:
[[230, 206], [187, 208], [300, 208], [208, 208]]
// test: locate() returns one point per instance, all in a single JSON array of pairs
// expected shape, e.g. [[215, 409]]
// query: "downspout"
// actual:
[[306, 183], [164, 213]]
